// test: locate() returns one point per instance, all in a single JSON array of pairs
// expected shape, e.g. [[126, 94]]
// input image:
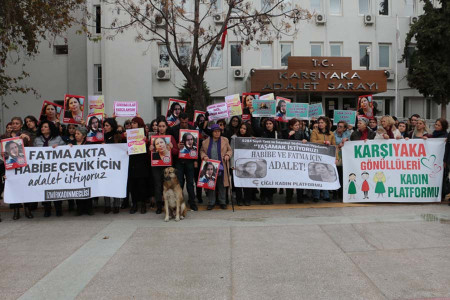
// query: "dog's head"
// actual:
[[170, 174]]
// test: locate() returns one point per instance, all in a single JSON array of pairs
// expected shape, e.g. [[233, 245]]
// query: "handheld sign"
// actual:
[[264, 108], [125, 109], [218, 111], [13, 153], [190, 140], [96, 104], [315, 110], [73, 109], [348, 116], [95, 127], [136, 141], [161, 154], [50, 111], [174, 109], [297, 110], [207, 177]]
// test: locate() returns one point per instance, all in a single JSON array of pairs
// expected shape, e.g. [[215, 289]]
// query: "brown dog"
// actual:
[[173, 196]]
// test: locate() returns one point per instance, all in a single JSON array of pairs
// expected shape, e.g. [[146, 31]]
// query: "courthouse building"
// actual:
[[343, 38]]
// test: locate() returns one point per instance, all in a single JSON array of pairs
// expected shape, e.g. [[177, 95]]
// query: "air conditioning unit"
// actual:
[[369, 19], [320, 19], [413, 20], [159, 21], [390, 74], [163, 74], [238, 73], [219, 18]]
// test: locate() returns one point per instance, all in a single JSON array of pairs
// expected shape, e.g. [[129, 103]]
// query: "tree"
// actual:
[[170, 22], [24, 24], [185, 93], [429, 64]]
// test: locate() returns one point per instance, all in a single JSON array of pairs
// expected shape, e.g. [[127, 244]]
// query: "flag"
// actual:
[[397, 35], [224, 36]]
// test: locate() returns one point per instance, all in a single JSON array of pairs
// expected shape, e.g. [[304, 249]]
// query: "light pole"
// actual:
[[367, 57]]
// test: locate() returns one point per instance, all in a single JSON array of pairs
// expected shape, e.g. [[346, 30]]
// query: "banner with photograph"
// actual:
[[73, 109], [50, 111], [13, 153], [136, 141], [161, 154], [297, 111], [95, 128], [96, 104], [218, 111], [315, 110], [234, 105], [208, 174], [348, 116], [61, 173], [271, 163], [174, 109], [365, 106], [281, 109], [393, 170], [190, 140], [125, 108], [264, 108]]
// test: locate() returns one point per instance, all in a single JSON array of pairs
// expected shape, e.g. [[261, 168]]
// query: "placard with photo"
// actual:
[[13, 152], [174, 109], [190, 141], [161, 154], [281, 109], [50, 111], [95, 128], [73, 109], [208, 174]]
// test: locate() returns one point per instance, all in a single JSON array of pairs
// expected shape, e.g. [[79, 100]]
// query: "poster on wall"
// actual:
[[73, 109], [393, 170], [174, 109], [13, 153], [50, 111], [208, 174]]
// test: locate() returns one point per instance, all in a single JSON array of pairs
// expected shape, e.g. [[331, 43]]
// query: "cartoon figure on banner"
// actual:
[[161, 154], [379, 178], [73, 109], [50, 111], [351, 186], [365, 106], [174, 110], [365, 185], [208, 174], [321, 172]]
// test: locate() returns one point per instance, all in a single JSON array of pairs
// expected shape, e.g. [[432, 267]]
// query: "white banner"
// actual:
[[393, 170], [64, 172], [270, 163]]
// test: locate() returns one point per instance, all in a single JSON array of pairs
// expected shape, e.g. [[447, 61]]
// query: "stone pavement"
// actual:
[[358, 252]]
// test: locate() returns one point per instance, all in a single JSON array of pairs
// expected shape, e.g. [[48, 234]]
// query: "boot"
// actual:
[[28, 213], [58, 211], [125, 204], [270, 200], [247, 202], [107, 210], [133, 208], [71, 205], [16, 214], [47, 212], [116, 210], [143, 208], [238, 202], [158, 208]]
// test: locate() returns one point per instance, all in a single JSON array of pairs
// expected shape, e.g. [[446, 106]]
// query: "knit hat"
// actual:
[[215, 127]]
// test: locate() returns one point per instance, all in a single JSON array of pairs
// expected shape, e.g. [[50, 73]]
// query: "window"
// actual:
[[335, 7], [216, 58], [235, 52], [364, 58], [184, 51], [316, 49], [316, 6], [98, 19], [364, 7], [266, 55], [409, 55], [98, 79], [61, 49], [410, 8], [164, 58], [265, 5], [216, 5], [384, 53], [335, 49], [383, 7], [286, 51]]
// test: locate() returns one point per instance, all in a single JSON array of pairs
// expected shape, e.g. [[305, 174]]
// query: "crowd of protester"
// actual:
[[144, 186]]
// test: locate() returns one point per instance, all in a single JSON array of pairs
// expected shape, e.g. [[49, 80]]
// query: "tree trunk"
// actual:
[[444, 110], [198, 99]]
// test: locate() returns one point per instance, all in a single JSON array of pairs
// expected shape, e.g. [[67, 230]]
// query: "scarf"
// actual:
[[364, 134], [219, 142], [390, 133], [46, 140]]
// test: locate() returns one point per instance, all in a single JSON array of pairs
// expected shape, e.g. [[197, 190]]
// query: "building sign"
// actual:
[[319, 74]]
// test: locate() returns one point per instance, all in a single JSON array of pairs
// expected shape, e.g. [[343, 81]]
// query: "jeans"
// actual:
[[221, 192], [185, 168], [316, 194]]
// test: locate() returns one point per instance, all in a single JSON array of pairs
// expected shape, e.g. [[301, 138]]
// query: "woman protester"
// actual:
[[111, 137], [403, 128], [295, 132], [217, 148], [201, 125], [323, 136], [388, 124], [421, 130], [440, 129], [232, 128], [69, 136], [363, 132], [48, 136], [31, 128]]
